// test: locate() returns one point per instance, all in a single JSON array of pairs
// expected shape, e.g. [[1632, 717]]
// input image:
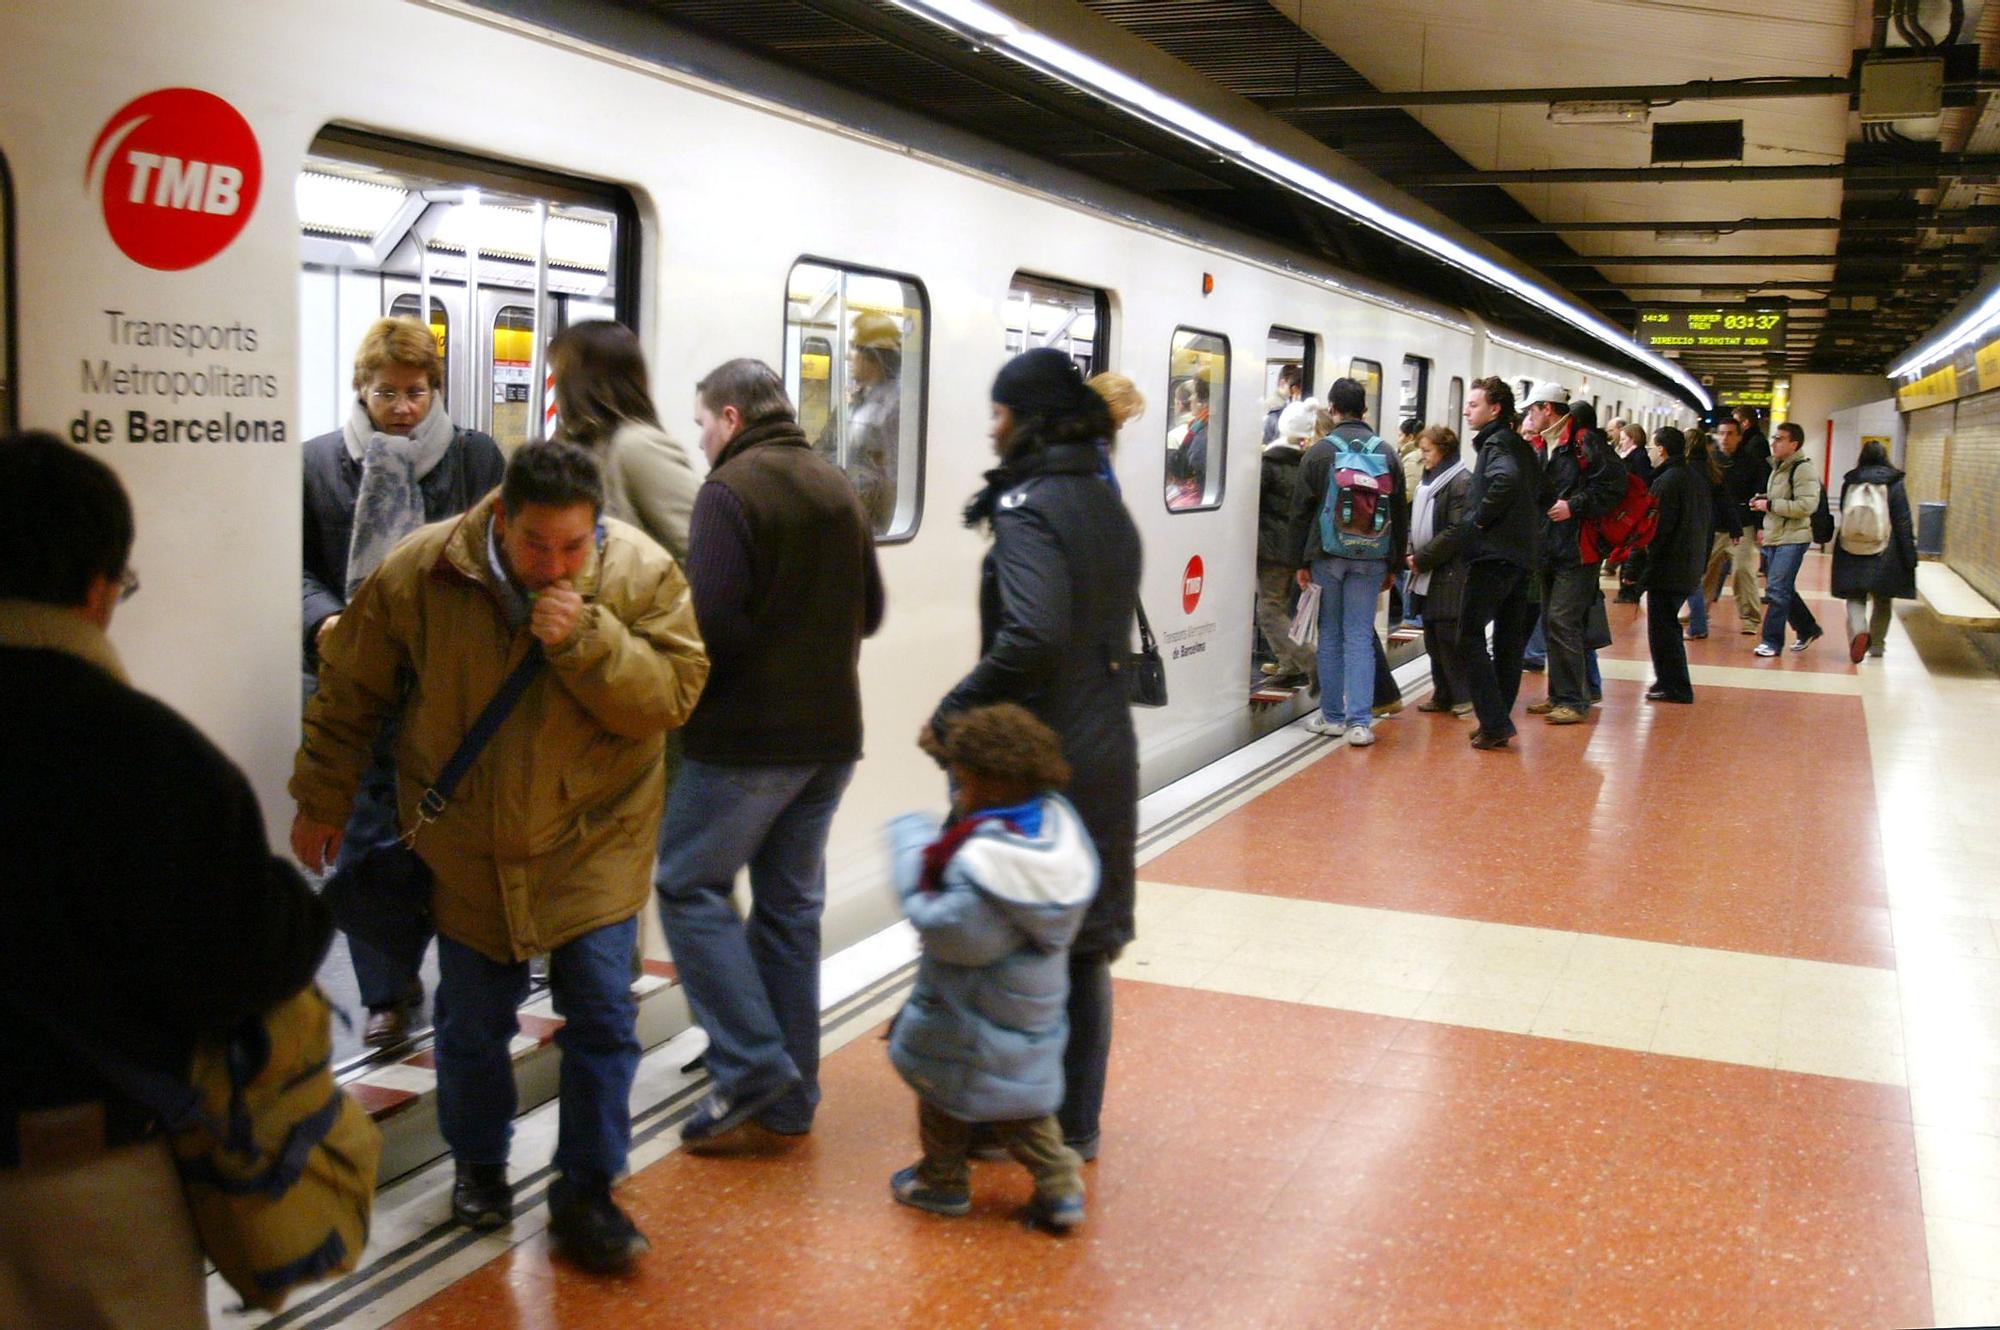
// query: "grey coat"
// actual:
[[1443, 556], [983, 1032]]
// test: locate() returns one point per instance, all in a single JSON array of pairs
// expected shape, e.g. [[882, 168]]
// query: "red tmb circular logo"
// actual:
[[1191, 578], [177, 172]]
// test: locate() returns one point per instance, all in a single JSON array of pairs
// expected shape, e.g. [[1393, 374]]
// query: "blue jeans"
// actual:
[[1594, 675], [1537, 649], [590, 978], [754, 987], [1348, 590], [1787, 606], [1697, 613], [372, 821]]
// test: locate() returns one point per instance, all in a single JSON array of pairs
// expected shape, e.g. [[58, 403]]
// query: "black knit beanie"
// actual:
[[1043, 382]]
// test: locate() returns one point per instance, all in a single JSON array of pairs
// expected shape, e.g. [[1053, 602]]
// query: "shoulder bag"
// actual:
[[1146, 672]]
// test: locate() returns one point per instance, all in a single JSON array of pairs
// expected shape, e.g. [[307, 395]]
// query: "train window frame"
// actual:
[[1100, 297], [443, 312], [1218, 466], [490, 346], [1308, 358], [10, 341], [1373, 414], [919, 471], [1455, 399], [1422, 409]]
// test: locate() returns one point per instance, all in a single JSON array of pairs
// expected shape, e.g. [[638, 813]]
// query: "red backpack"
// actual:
[[1625, 530]]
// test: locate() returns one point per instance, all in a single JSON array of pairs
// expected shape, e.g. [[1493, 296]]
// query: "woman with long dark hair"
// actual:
[[603, 404], [1057, 594]]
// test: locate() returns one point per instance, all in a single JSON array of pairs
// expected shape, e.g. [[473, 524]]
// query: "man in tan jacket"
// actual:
[[546, 847]]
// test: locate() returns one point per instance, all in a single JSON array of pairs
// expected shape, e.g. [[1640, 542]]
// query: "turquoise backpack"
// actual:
[[1360, 487]]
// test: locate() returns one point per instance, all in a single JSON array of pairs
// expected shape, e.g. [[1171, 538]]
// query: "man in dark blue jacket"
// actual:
[[1501, 553]]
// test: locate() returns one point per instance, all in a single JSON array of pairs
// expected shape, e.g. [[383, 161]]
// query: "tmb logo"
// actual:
[[1191, 579], [177, 172]]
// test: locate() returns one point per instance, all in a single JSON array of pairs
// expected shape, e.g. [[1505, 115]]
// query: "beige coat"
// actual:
[[1794, 490], [551, 834], [650, 481]]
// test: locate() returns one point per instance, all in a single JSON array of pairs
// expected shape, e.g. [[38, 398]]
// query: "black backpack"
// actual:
[[1822, 519]]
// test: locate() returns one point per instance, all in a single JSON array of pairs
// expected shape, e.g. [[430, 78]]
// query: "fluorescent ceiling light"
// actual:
[[1685, 237], [1048, 56], [1981, 321], [1599, 113]]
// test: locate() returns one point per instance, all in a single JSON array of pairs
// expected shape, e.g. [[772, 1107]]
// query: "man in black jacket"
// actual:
[[782, 566], [1743, 479], [1501, 553], [1673, 571], [1581, 480], [143, 906]]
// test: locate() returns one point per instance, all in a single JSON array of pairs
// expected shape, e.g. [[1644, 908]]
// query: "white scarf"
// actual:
[[389, 503], [1423, 521]]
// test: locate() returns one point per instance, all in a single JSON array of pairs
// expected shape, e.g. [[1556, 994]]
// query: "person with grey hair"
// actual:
[[781, 561]]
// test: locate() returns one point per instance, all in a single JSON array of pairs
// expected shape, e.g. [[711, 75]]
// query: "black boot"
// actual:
[[482, 1197], [590, 1229]]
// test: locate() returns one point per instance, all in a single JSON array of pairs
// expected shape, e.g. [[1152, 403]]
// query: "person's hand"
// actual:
[[314, 843], [1760, 505], [1304, 578], [557, 609], [1559, 511], [325, 627], [1410, 562]]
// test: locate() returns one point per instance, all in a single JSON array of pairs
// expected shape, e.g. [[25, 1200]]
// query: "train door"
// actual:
[[1044, 312], [1289, 355]]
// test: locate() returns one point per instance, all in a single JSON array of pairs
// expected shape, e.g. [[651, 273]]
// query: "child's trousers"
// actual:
[[1036, 1143]]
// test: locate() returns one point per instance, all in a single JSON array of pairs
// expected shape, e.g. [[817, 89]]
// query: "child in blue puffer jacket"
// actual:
[[997, 895]]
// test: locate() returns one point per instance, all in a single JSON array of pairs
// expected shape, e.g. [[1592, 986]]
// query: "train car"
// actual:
[[207, 205]]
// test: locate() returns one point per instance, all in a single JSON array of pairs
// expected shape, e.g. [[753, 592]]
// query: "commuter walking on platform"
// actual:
[[1058, 593], [1292, 665], [540, 852], [1743, 479], [1582, 479], [603, 404], [144, 910], [997, 895], [1755, 444], [1875, 557], [785, 585], [1350, 525], [1724, 526], [1629, 441], [1440, 528], [1795, 491], [1673, 570], [1500, 552], [396, 464]]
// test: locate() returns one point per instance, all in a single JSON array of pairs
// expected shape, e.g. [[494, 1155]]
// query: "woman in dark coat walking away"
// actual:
[[1889, 573], [1678, 554], [1440, 527], [1057, 594]]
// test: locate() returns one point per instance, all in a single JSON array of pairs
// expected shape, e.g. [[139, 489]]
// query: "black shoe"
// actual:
[[482, 1197], [590, 1229], [1487, 739], [721, 1113]]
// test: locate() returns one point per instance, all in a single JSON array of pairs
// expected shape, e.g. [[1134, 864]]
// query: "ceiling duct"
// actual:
[[1698, 141]]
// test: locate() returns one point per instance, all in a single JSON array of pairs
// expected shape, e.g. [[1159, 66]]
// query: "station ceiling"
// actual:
[[1867, 236]]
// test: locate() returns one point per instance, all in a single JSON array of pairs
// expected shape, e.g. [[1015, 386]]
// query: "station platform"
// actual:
[[1689, 1016]]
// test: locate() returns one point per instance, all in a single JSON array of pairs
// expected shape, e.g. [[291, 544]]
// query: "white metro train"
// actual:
[[209, 202]]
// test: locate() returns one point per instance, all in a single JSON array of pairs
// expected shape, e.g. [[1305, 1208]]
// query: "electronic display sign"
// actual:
[[1684, 329]]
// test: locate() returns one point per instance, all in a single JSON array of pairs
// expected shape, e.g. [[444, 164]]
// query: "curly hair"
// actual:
[[1004, 742]]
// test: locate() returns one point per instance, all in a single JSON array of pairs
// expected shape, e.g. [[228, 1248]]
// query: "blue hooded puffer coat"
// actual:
[[982, 1035]]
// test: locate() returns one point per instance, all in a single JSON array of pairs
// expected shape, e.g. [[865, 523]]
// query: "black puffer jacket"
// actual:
[[1056, 599], [1277, 495], [471, 468], [1443, 555], [1893, 572], [1505, 483], [1679, 552], [1585, 471], [1743, 479]]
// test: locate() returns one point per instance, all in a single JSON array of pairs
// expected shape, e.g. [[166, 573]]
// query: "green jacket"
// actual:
[[1794, 491]]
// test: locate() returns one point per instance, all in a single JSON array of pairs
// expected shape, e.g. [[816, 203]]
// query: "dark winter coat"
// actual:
[[1277, 496], [1723, 519], [141, 895], [1506, 481], [1443, 556], [1679, 552], [471, 468], [1893, 572], [1743, 479], [1637, 463], [1314, 474], [1583, 470], [1056, 610]]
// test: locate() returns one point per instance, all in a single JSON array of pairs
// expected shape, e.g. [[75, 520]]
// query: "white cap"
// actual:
[[1296, 421], [1546, 391]]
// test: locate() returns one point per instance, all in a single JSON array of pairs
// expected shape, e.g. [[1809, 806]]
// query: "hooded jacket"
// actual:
[[1505, 481], [551, 834], [1892, 572], [983, 1032]]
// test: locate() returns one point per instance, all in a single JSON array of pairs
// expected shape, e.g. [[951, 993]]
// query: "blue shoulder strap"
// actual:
[[438, 794]]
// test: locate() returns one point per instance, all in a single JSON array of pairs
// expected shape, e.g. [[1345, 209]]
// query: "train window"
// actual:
[[501, 257], [1198, 421], [1044, 312], [1368, 373], [1416, 396], [855, 344], [1522, 389], [1287, 355], [1456, 420], [7, 418]]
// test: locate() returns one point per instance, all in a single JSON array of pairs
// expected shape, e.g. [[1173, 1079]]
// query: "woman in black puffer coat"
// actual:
[[1057, 594], [1881, 578]]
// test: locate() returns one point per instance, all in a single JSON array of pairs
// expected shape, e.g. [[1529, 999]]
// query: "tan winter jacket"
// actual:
[[1794, 490], [551, 833]]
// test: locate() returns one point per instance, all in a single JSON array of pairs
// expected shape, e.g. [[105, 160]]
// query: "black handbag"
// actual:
[[384, 896], [1146, 672], [1597, 625]]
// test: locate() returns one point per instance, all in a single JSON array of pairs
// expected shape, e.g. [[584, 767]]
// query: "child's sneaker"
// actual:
[[938, 1200], [1060, 1213]]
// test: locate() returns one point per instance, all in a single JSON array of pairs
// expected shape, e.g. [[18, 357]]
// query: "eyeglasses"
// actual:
[[128, 585], [388, 396]]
